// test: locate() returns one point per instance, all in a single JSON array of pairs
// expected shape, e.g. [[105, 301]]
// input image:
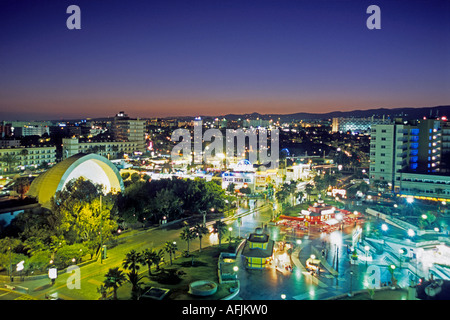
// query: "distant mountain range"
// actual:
[[405, 113]]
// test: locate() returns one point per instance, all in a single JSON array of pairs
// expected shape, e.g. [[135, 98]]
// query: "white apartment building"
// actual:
[[28, 157], [107, 149], [31, 130], [424, 186]]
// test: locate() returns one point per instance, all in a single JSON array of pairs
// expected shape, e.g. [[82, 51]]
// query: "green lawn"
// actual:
[[181, 273]]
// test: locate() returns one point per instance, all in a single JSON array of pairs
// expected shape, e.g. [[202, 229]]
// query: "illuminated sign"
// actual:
[[52, 273], [19, 266]]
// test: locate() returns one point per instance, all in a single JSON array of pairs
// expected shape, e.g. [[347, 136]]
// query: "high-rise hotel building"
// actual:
[[126, 129], [408, 157], [128, 137]]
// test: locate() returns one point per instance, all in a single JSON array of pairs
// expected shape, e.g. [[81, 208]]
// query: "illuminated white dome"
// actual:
[[93, 167]]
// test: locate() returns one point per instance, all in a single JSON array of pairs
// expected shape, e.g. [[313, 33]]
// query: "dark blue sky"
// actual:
[[164, 58]]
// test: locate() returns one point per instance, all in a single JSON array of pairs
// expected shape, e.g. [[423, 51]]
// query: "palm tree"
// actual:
[[281, 195], [199, 231], [135, 279], [291, 189], [114, 279], [132, 262], [158, 257], [103, 291], [309, 189], [187, 235], [220, 228], [170, 248], [149, 257], [320, 184], [10, 160]]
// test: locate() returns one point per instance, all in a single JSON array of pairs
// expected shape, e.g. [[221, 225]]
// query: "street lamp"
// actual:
[[367, 248], [401, 252], [391, 269], [351, 284], [411, 233], [235, 269]]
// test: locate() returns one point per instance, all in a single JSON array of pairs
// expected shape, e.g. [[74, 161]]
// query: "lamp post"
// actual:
[[391, 269], [384, 228], [367, 248], [401, 252], [350, 294], [235, 269]]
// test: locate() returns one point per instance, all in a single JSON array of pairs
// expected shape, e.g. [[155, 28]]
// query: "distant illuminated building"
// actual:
[[356, 125], [107, 149], [242, 176], [26, 157], [125, 129]]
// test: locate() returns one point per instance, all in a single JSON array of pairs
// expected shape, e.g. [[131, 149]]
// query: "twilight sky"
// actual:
[[214, 57]]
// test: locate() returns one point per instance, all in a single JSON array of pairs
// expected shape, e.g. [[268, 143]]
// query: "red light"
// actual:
[[444, 118]]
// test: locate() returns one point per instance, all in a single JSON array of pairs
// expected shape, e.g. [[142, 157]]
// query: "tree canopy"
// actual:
[[170, 198], [80, 212]]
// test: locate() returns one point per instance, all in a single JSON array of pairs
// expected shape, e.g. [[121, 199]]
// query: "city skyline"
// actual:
[[162, 59]]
